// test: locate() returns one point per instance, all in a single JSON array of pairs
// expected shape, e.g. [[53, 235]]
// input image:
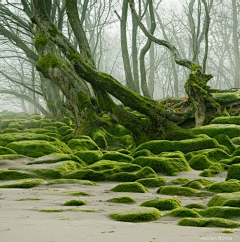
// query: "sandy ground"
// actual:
[[21, 221]]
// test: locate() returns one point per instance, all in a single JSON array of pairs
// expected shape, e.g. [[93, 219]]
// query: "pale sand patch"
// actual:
[[21, 221]]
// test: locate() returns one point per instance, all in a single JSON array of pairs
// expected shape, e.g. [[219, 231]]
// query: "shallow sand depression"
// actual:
[[23, 222]]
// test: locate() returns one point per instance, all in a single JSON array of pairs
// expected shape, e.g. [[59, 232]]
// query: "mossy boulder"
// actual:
[[208, 222], [82, 143], [10, 130], [196, 205], [4, 151], [54, 124], [125, 199], [24, 183], [231, 130], [11, 157], [220, 212], [100, 139], [203, 181], [214, 170], [75, 203], [14, 175], [152, 182], [89, 156], [163, 203], [227, 120], [167, 165], [178, 191], [225, 140], [72, 181], [37, 148], [225, 199], [236, 140], [145, 172], [116, 156], [233, 172], [36, 116], [129, 187], [180, 180], [185, 146], [200, 162], [183, 213], [66, 120], [136, 214], [225, 186], [143, 152]]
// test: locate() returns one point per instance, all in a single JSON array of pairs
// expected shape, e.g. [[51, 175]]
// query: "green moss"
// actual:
[[72, 181], [200, 162], [214, 170], [227, 231], [227, 95], [227, 120], [129, 187], [233, 172], [56, 157], [143, 152], [90, 156], [152, 182], [53, 31], [14, 137], [185, 146], [28, 199], [224, 140], [231, 130], [225, 186], [220, 212], [176, 190], [163, 203], [100, 139], [57, 125], [225, 199], [82, 143], [73, 193], [10, 130], [145, 172], [40, 41], [124, 151], [169, 166], [4, 151], [122, 200], [196, 67], [203, 181], [11, 157], [136, 214], [25, 183], [34, 148], [180, 180], [75, 203], [36, 116], [116, 156], [66, 120], [208, 222], [49, 61], [183, 212], [196, 205], [13, 175]]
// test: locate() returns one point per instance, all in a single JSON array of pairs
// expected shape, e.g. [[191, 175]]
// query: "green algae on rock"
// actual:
[[14, 175], [183, 212], [72, 181], [116, 156], [24, 183], [89, 156], [209, 222], [178, 191], [74, 203], [152, 182], [196, 205], [225, 199], [136, 214], [6, 151], [163, 203], [180, 180], [225, 186], [233, 172], [82, 143], [220, 212], [129, 187], [125, 199]]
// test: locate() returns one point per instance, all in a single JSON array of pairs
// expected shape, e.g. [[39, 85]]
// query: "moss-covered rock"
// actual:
[[89, 156], [233, 172], [167, 165], [227, 120], [11, 157], [116, 156], [129, 187], [178, 191], [196, 205], [220, 212], [185, 146], [56, 157], [203, 181], [37, 148], [4, 151], [75, 203], [163, 203], [66, 120], [200, 162], [152, 182], [145, 172], [143, 152], [214, 170], [72, 181], [209, 222], [180, 180], [82, 143], [225, 140], [13, 175], [225, 186], [225, 199], [122, 200], [231, 130], [136, 214], [124, 151], [10, 130], [25, 183], [99, 138], [5, 139], [236, 140], [183, 213]]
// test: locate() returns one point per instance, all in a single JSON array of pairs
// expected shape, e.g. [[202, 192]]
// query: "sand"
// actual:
[[21, 221]]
